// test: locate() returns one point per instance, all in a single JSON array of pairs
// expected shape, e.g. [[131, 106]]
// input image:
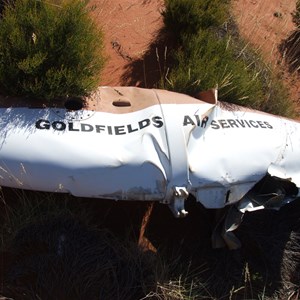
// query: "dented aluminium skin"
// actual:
[[138, 144]]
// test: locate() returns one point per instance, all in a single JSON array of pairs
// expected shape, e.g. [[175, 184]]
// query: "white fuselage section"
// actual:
[[217, 154]]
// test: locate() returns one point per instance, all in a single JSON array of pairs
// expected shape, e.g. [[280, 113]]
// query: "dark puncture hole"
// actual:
[[121, 103], [74, 103]]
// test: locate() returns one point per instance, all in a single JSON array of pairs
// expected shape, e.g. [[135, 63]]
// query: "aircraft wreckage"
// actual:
[[130, 143]]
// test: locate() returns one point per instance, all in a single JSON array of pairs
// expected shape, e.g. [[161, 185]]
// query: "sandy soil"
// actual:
[[265, 24], [132, 28]]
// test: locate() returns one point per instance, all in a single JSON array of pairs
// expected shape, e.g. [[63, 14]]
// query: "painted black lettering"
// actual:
[[198, 120], [268, 125], [188, 121], [253, 124], [241, 122], [60, 126], [144, 123], [261, 124], [120, 130], [71, 127], [42, 124], [157, 122], [109, 130], [86, 127], [130, 129], [224, 124], [100, 128], [247, 123], [214, 125], [204, 122], [232, 123]]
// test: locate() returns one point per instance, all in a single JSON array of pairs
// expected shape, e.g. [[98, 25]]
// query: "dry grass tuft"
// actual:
[[290, 49], [61, 258]]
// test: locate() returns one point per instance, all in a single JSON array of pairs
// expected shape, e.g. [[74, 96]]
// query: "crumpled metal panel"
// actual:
[[233, 152]]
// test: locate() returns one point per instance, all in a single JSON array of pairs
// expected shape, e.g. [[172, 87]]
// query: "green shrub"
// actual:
[[189, 16], [49, 49], [207, 62]]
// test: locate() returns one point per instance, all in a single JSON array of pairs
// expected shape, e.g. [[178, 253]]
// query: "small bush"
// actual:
[[49, 49], [189, 16], [206, 62]]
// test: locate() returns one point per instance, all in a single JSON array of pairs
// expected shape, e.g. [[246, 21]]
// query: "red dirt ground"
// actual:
[[129, 28]]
